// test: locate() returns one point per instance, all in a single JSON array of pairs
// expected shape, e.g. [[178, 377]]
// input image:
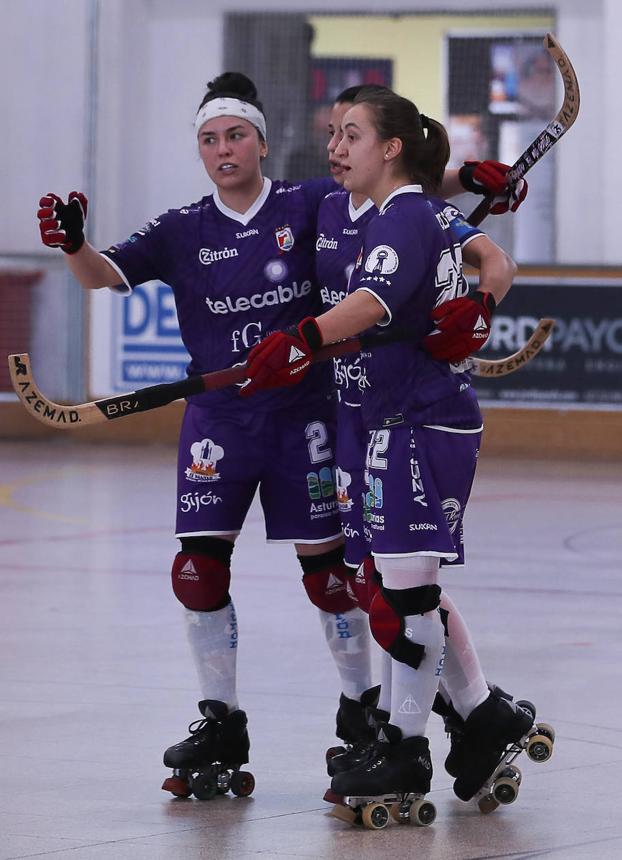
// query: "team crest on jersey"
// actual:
[[205, 456], [382, 261], [343, 481], [284, 238]]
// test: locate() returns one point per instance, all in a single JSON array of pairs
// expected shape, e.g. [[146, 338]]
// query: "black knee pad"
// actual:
[[201, 573], [326, 581], [387, 612]]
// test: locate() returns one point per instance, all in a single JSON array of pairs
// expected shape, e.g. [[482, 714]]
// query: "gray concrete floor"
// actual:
[[96, 677]]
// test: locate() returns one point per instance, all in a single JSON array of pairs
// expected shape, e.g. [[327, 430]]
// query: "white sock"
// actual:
[[348, 637], [386, 664], [213, 638], [413, 690], [462, 673]]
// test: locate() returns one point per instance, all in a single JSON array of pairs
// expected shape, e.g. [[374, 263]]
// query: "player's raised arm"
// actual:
[[62, 226], [485, 177]]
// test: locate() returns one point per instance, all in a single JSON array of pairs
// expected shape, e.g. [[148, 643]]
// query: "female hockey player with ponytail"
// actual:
[[424, 429], [342, 220]]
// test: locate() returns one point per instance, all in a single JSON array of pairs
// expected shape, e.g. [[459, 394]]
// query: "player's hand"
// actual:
[[462, 327], [62, 224], [490, 177], [283, 358]]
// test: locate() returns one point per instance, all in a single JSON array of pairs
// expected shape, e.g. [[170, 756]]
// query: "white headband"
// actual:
[[231, 107]]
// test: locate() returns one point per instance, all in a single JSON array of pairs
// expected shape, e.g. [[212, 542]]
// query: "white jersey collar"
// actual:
[[355, 214], [404, 189], [244, 217]]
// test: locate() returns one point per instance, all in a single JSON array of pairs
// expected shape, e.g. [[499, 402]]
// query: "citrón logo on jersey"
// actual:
[[207, 256]]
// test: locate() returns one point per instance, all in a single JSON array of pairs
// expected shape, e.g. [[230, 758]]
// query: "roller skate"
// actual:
[[392, 783], [495, 734], [454, 727], [356, 725], [208, 762]]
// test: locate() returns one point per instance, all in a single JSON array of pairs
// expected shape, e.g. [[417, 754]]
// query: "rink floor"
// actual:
[[96, 676]]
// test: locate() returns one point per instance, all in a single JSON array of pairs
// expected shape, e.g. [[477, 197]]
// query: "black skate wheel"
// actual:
[[375, 816], [242, 783], [204, 786]]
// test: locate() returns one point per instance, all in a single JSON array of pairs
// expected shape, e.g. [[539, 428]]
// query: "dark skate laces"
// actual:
[[200, 727]]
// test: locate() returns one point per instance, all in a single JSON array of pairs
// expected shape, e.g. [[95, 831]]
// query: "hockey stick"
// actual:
[[548, 136], [504, 366], [144, 399]]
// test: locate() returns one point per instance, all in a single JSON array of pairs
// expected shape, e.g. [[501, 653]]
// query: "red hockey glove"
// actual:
[[283, 358], [462, 327], [62, 224], [490, 177]]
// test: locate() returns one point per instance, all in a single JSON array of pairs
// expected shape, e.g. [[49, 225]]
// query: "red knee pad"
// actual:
[[365, 583], [327, 589], [386, 620], [201, 582], [327, 581]]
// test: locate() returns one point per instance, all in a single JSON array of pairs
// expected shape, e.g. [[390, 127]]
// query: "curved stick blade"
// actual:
[[514, 362]]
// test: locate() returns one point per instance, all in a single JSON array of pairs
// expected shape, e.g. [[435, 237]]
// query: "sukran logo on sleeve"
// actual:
[[383, 260]]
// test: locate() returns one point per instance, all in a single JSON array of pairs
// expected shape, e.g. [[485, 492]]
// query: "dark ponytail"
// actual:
[[425, 145]]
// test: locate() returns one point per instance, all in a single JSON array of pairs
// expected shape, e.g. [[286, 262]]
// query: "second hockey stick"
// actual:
[[549, 136], [154, 396]]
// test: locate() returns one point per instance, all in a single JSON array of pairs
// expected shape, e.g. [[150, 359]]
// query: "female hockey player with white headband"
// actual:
[[240, 263]]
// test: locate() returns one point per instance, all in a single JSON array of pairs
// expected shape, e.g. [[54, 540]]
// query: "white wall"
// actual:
[[155, 57], [42, 106]]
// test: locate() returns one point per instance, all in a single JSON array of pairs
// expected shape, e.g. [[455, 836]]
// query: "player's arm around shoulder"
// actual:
[[497, 269]]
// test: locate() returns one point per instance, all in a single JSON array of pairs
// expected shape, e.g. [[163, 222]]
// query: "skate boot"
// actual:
[[494, 735], [392, 782], [356, 725], [208, 762], [454, 726]]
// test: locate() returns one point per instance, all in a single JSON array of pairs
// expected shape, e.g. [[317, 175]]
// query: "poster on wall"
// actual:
[[580, 366], [136, 340], [501, 92]]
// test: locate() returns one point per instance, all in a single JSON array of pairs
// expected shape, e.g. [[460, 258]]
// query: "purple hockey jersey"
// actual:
[[236, 278], [341, 229], [411, 262]]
